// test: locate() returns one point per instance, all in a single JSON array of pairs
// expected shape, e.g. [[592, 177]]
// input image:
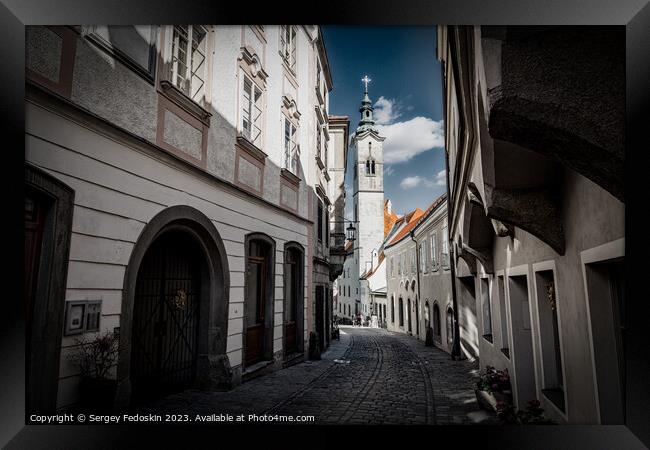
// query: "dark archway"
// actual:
[[450, 327], [436, 323], [259, 298], [294, 298], [212, 365], [48, 215]]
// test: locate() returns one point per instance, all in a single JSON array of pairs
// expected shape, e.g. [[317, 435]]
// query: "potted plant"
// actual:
[[95, 357], [534, 414], [493, 387]]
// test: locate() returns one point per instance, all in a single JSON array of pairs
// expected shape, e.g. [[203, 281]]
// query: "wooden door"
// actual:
[[291, 302], [256, 292]]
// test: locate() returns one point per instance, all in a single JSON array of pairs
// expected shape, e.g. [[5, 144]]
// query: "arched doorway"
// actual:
[[450, 328], [259, 297], [408, 313], [166, 316], [417, 317], [173, 326], [436, 323], [427, 322]]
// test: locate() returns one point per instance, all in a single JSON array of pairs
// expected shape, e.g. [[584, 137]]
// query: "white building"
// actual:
[[368, 199], [174, 177]]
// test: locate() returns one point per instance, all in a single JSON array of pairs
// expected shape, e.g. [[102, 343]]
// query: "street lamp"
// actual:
[[350, 232]]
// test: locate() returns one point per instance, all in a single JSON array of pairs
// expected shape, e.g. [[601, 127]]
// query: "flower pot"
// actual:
[[98, 394], [488, 400]]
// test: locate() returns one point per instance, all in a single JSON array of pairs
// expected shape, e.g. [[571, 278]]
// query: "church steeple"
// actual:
[[367, 123]]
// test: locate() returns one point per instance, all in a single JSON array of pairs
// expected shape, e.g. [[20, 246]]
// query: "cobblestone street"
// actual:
[[370, 376]]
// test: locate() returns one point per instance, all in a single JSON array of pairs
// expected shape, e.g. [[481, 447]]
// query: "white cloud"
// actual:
[[386, 110], [441, 178], [415, 181], [389, 170], [404, 140]]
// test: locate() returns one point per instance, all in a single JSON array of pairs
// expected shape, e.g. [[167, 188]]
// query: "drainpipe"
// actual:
[[455, 348], [417, 271]]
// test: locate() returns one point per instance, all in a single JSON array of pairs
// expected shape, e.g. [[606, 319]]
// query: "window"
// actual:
[[549, 330], [133, 44], [317, 74], [288, 45], [487, 310], [433, 251], [445, 247], [188, 58], [251, 113], [290, 147], [401, 312], [326, 222], [504, 319], [370, 167], [320, 221], [423, 258], [318, 143], [392, 310]]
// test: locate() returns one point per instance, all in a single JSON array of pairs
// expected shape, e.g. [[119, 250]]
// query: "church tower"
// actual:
[[368, 196]]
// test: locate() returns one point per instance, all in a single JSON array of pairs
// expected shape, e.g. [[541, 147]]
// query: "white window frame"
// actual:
[[434, 249], [423, 258], [291, 149], [288, 48], [200, 72], [255, 123], [445, 246]]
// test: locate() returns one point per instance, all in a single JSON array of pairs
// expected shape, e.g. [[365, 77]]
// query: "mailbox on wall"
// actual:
[[82, 316]]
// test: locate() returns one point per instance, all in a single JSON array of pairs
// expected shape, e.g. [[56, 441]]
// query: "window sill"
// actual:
[[178, 97], [555, 396], [290, 176], [251, 148]]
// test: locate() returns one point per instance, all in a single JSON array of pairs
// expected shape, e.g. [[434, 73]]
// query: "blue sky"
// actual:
[[406, 92]]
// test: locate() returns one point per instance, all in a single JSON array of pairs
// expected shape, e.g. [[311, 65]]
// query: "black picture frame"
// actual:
[[633, 14]]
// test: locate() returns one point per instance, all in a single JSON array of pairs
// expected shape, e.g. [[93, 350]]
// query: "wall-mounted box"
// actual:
[[82, 316]]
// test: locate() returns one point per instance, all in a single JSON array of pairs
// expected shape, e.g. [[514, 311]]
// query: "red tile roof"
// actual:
[[415, 217]]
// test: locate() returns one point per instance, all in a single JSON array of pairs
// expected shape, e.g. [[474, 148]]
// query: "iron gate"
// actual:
[[166, 317]]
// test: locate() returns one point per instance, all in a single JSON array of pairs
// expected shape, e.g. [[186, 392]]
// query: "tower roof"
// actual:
[[367, 123]]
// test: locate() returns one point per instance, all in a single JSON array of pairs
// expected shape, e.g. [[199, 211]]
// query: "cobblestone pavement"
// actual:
[[385, 378]]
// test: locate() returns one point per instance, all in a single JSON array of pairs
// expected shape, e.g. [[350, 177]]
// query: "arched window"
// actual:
[[436, 322], [401, 312], [450, 327]]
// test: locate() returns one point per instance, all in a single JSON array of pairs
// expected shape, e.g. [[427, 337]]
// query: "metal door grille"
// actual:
[[166, 317]]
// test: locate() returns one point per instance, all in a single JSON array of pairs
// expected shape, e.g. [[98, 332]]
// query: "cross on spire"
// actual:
[[366, 80]]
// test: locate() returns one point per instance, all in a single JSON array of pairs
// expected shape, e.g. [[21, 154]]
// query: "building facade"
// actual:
[[401, 276], [177, 183], [537, 209], [434, 276]]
